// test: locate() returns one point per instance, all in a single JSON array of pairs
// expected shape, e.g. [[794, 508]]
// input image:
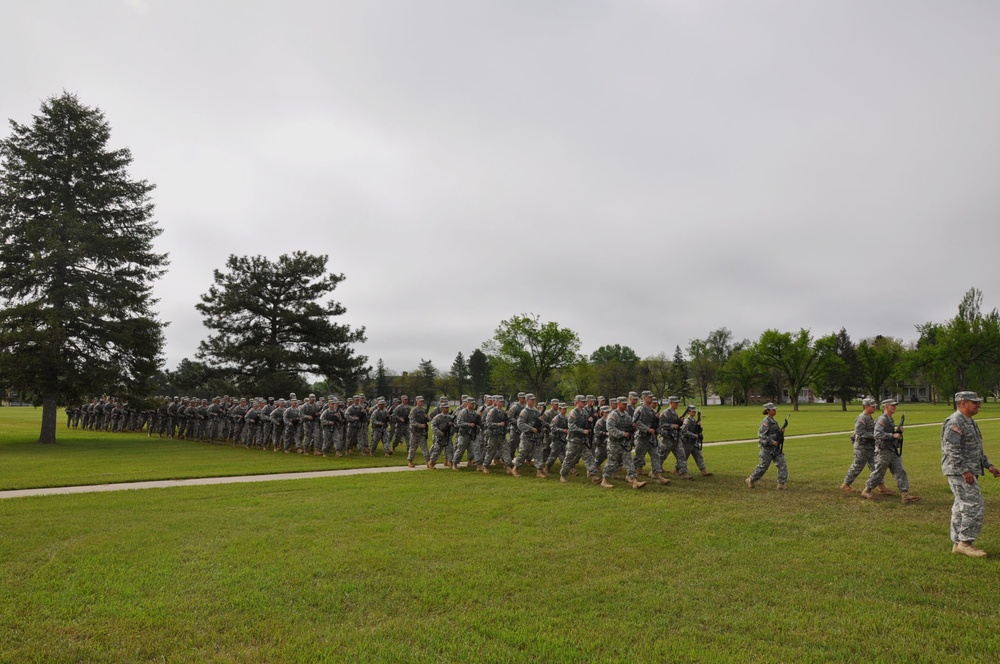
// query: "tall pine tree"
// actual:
[[76, 263]]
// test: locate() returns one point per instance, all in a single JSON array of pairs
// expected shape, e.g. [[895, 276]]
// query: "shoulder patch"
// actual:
[[956, 429]]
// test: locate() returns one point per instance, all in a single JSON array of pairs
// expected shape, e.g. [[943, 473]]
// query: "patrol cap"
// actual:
[[334, 400], [562, 405], [868, 401], [580, 397], [601, 398], [553, 401], [605, 409], [269, 399], [292, 395], [443, 400], [967, 396], [769, 406], [445, 404], [404, 397], [312, 396], [632, 394], [647, 393], [590, 397], [330, 397], [522, 395], [420, 398], [381, 401], [889, 402], [622, 399], [529, 395], [361, 394], [690, 408]]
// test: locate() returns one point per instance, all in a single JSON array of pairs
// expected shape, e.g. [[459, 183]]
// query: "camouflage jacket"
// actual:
[[962, 446]]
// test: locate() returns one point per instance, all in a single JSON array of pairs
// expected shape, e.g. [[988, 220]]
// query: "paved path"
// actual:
[[237, 479]]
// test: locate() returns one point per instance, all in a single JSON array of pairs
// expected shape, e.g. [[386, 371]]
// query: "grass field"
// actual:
[[445, 566]]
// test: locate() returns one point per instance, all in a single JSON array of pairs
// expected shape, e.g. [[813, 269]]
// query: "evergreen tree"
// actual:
[[381, 380], [270, 326], [479, 371], [460, 373], [680, 376], [77, 264]]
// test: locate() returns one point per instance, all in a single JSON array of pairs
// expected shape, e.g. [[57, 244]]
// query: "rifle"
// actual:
[[781, 436], [899, 443], [700, 431]]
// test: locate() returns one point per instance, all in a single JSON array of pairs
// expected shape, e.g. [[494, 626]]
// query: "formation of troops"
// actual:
[[609, 436]]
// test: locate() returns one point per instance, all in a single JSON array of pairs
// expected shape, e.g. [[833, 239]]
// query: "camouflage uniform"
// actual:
[[496, 436], [515, 435], [578, 442], [692, 441], [292, 419], [643, 419], [401, 417], [767, 437], [619, 424], [886, 457], [558, 431], [600, 440], [529, 425], [418, 432], [467, 423], [355, 420], [671, 441], [380, 424], [308, 412], [962, 452], [277, 425], [864, 447], [442, 426]]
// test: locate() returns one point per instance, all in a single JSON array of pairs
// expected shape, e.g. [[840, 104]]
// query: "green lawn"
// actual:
[[446, 566]]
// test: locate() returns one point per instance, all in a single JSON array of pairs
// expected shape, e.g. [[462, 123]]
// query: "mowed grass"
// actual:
[[458, 566], [86, 457]]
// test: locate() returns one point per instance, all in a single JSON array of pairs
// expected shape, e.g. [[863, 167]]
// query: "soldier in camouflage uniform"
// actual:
[[962, 462], [331, 422], [769, 439], [864, 444], [418, 422], [693, 438], [401, 419], [449, 448], [645, 423], [442, 426], [467, 424], [278, 425], [886, 458], [578, 443], [363, 445], [380, 427], [266, 425], [529, 424], [236, 415], [308, 413], [495, 426], [601, 437], [354, 416], [512, 414], [671, 441], [558, 431], [619, 425], [292, 419], [251, 424]]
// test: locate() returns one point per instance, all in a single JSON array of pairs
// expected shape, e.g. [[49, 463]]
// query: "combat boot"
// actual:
[[660, 479], [409, 464], [514, 471], [885, 491], [540, 474], [596, 479], [781, 486], [636, 484], [509, 469], [483, 469], [685, 476], [606, 484], [454, 466], [640, 471], [966, 549], [705, 473], [749, 482], [846, 488], [907, 498], [562, 478], [868, 494]]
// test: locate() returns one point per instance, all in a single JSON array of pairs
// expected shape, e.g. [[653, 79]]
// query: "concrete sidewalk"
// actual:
[[238, 479]]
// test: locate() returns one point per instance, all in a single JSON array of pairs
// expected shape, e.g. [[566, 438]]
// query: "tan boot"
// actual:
[[781, 486], [705, 473], [686, 476], [483, 469], [865, 493], [514, 472], [907, 498], [409, 464], [636, 484], [885, 491], [966, 549], [540, 474], [562, 478], [454, 466], [595, 479], [509, 469], [606, 484], [660, 479], [846, 488], [749, 482], [641, 472]]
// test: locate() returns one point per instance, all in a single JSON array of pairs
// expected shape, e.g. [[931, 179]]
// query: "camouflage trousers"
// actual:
[[418, 438], [765, 462], [691, 451], [496, 445], [864, 455], [214, 429], [886, 460], [968, 510], [647, 445], [352, 436], [291, 435], [670, 446], [463, 442], [277, 434], [531, 446], [363, 438], [398, 435], [575, 449], [442, 444], [557, 451], [331, 438], [600, 450], [620, 454], [479, 449], [265, 434], [380, 435], [307, 433]]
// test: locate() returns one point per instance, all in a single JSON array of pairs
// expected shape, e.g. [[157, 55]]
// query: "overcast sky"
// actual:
[[640, 171]]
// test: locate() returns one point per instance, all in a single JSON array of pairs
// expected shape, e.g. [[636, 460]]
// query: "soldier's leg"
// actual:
[[655, 458], [681, 454], [782, 468], [699, 459], [862, 457], [763, 464], [363, 439], [967, 511], [589, 461], [524, 450], [899, 474], [411, 445], [462, 443], [600, 453], [615, 454], [882, 463], [436, 449], [574, 450]]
